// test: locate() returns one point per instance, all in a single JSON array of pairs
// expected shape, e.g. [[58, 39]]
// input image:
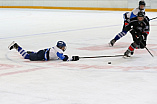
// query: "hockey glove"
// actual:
[[138, 39], [141, 38], [132, 31], [75, 58], [143, 41], [65, 58]]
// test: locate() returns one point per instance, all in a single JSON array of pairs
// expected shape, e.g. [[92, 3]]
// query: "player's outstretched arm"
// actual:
[[66, 58]]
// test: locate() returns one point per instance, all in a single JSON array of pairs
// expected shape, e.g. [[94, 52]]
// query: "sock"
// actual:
[[132, 47], [23, 53], [119, 35]]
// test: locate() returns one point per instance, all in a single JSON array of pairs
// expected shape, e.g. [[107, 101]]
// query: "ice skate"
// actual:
[[13, 45], [127, 53], [112, 42]]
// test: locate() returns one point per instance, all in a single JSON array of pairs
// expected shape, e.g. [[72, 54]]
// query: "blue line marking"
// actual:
[[59, 31]]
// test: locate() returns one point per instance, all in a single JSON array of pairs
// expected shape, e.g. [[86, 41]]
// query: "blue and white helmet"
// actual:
[[61, 44]]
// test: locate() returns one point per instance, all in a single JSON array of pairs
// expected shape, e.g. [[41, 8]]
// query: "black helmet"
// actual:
[[140, 14], [142, 3]]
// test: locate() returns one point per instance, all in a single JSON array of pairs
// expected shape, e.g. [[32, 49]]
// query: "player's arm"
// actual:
[[128, 26], [147, 27], [145, 31], [134, 13], [62, 57], [66, 58]]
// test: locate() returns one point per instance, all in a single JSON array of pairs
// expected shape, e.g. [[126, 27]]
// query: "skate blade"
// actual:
[[126, 57], [11, 45]]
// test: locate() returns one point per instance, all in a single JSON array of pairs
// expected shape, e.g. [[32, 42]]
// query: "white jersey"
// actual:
[[53, 53], [133, 13]]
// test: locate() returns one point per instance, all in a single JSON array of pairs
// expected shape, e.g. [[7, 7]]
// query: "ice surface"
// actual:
[[87, 81]]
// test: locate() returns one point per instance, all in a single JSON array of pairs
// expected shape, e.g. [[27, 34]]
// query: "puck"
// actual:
[[109, 62]]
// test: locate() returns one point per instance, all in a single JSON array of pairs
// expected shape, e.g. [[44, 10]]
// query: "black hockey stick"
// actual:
[[153, 18], [101, 56], [147, 49], [143, 45]]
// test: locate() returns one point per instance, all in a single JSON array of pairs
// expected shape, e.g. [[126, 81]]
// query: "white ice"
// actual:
[[87, 81]]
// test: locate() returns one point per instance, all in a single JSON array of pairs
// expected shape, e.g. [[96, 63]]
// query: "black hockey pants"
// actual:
[[138, 39], [40, 55]]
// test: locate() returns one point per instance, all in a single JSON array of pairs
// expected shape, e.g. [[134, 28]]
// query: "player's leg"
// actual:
[[30, 52], [134, 45], [39, 56], [14, 45], [124, 32], [130, 50], [138, 39], [118, 36]]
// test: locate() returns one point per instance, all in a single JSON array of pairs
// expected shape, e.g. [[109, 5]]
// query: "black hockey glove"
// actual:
[[138, 39], [143, 41], [132, 31], [75, 58], [142, 37], [65, 58]]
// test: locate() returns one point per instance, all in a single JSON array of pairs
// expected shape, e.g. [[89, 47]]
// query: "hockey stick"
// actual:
[[153, 18], [143, 45], [101, 56], [147, 49]]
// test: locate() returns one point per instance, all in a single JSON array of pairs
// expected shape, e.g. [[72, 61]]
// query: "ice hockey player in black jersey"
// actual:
[[53, 53], [139, 28], [127, 16]]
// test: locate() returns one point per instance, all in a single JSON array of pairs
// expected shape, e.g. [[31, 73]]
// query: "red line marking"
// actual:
[[22, 71], [103, 47], [84, 66], [8, 66], [119, 45], [95, 48]]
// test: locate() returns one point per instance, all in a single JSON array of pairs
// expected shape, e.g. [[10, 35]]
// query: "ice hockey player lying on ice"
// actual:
[[139, 28], [53, 53], [127, 16]]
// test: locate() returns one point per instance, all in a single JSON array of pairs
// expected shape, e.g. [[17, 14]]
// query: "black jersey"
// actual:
[[141, 27]]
